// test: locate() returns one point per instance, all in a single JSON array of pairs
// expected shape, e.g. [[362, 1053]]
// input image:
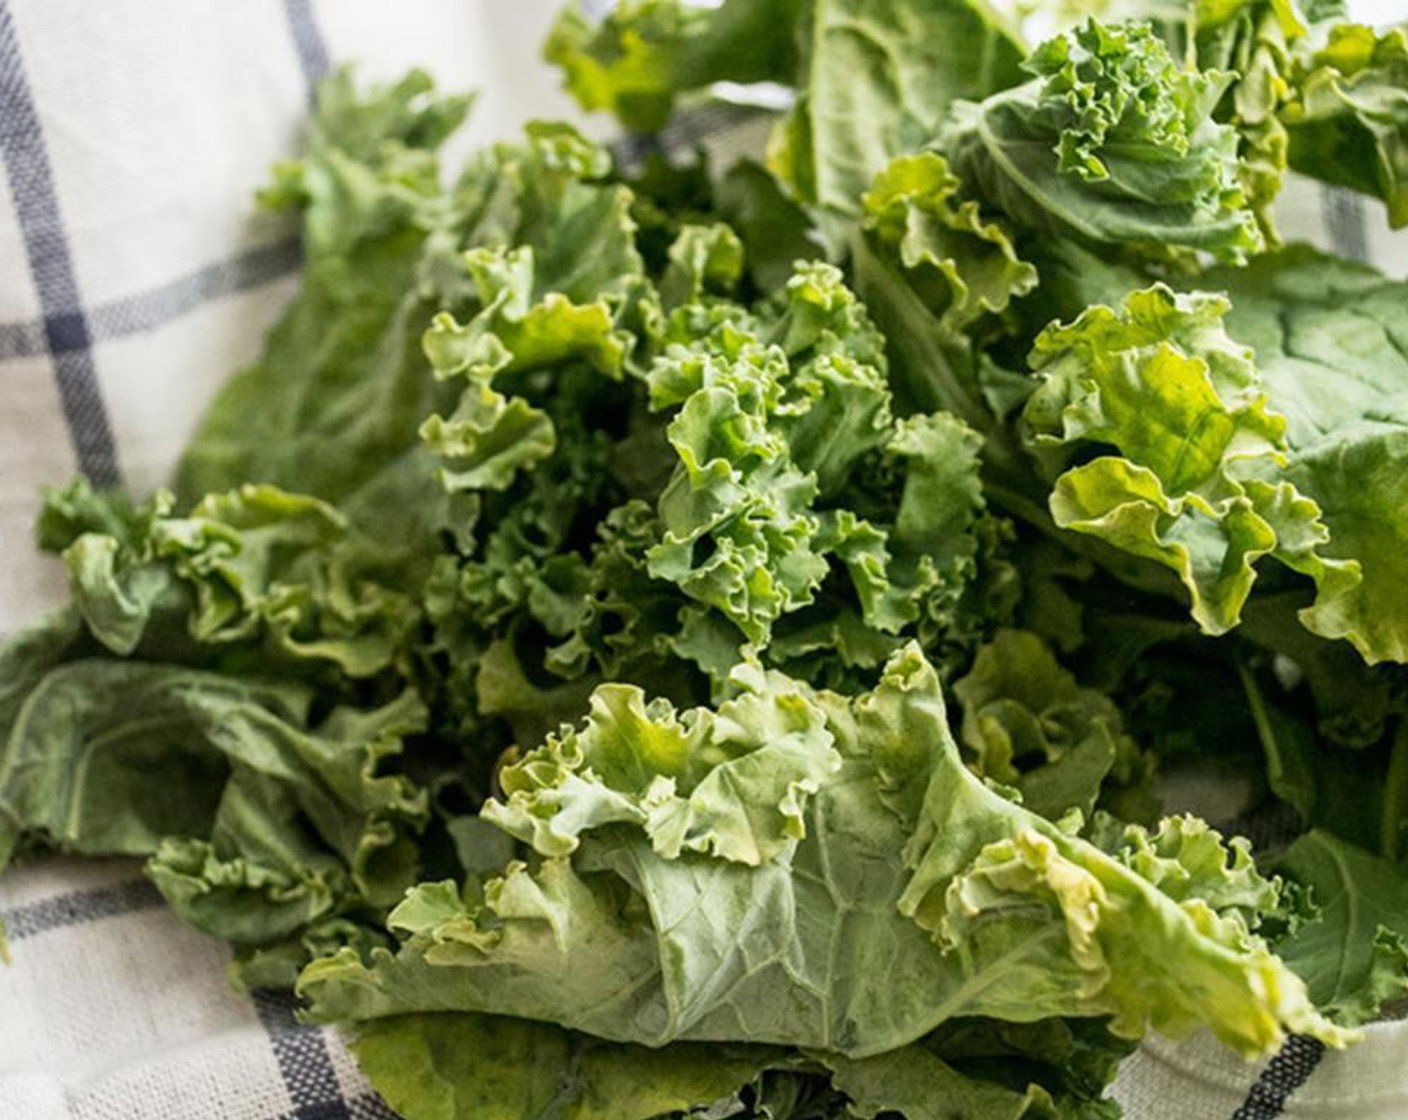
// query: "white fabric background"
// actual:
[[160, 118], [1197, 1080]]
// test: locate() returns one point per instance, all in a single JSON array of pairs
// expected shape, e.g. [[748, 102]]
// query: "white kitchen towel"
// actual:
[[1199, 1080], [112, 1009], [134, 275]]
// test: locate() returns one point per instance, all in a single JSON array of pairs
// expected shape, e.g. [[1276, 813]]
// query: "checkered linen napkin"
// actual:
[[114, 1010], [133, 277]]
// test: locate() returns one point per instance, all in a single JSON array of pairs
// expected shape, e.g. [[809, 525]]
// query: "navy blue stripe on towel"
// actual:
[[371, 1107], [1283, 1075], [304, 1062], [145, 311], [308, 39], [65, 326], [79, 908], [1344, 217]]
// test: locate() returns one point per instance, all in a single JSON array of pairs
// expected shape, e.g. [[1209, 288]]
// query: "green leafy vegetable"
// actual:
[[916, 1084], [1328, 345], [1198, 484], [1348, 119], [1030, 726], [540, 661], [963, 265], [876, 81], [1354, 953], [645, 52], [746, 875], [1112, 142], [475, 1067]]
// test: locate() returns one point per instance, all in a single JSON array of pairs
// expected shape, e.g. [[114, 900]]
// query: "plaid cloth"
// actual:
[[133, 277], [114, 1010]]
